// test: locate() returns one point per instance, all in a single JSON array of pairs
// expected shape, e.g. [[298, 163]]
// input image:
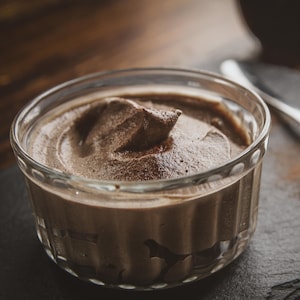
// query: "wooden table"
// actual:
[[44, 43]]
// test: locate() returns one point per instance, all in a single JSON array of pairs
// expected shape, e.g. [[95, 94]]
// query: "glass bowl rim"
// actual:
[[136, 186]]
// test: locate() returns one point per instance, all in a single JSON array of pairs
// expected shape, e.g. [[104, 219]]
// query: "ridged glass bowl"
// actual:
[[152, 234]]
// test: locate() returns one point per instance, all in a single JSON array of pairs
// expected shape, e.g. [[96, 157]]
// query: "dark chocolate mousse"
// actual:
[[136, 139]]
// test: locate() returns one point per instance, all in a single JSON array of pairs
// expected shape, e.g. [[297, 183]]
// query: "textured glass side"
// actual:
[[157, 246]]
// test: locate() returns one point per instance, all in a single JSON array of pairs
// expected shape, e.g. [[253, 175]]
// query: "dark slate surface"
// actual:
[[268, 269]]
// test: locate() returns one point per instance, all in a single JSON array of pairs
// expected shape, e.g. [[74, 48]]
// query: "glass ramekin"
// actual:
[[153, 234]]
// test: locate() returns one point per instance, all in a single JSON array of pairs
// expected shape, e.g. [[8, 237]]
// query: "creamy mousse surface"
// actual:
[[138, 138]]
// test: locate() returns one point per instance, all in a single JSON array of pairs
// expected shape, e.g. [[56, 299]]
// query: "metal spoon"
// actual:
[[237, 71]]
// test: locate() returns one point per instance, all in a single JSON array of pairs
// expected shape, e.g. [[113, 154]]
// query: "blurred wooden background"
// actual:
[[46, 42]]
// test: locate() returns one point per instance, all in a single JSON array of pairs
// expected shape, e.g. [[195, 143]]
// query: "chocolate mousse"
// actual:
[[141, 239], [138, 139]]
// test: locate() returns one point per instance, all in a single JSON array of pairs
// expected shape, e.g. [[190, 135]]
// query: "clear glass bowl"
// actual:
[[151, 234]]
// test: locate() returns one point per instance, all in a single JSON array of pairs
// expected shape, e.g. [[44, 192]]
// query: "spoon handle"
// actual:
[[231, 69]]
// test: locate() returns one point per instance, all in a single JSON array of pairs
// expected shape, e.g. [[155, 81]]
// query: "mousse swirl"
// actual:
[[134, 140]]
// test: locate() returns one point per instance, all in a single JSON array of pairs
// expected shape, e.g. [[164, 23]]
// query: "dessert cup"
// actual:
[[146, 235]]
